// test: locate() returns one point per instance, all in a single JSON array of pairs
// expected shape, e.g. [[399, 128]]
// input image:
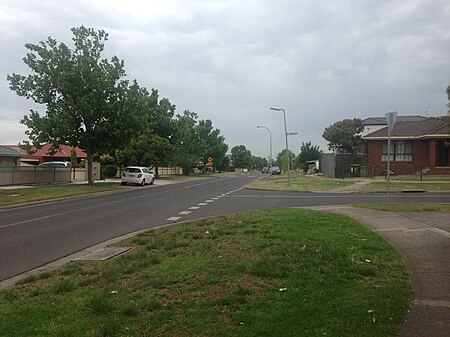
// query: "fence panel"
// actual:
[[26, 175]]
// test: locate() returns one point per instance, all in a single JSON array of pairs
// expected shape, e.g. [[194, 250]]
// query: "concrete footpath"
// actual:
[[424, 241]]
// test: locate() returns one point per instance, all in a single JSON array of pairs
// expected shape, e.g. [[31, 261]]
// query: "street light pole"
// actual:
[[270, 150], [390, 120], [287, 147]]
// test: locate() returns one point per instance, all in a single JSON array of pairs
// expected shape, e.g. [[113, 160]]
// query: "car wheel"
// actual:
[[143, 182], [153, 181]]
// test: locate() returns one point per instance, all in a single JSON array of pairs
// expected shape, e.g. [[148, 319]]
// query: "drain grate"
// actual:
[[103, 254]]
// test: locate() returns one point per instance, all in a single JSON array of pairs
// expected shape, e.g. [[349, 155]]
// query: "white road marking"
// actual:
[[190, 186], [194, 207], [185, 212], [173, 218], [202, 204], [209, 200]]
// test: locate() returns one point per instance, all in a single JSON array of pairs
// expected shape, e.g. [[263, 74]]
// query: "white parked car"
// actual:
[[137, 175], [55, 164]]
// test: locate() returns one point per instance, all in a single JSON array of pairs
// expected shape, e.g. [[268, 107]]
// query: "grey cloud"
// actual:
[[231, 60]]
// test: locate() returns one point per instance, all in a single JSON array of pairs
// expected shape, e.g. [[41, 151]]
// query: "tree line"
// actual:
[[89, 104]]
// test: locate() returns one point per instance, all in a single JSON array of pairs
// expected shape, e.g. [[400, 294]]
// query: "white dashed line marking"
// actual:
[[173, 218], [184, 212], [202, 204], [194, 207], [209, 200]]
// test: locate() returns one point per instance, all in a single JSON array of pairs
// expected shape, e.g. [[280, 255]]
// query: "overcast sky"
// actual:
[[230, 61]]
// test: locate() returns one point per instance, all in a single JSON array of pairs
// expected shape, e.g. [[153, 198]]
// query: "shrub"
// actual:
[[110, 171]]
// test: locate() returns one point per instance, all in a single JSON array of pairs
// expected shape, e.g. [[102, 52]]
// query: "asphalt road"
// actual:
[[34, 235]]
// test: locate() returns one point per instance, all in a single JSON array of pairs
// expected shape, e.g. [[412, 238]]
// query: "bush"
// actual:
[[110, 171]]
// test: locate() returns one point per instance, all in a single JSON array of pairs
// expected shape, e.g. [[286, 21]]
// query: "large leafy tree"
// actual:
[[258, 163], [282, 161], [308, 151], [87, 102], [344, 135], [216, 148], [145, 150], [241, 156], [151, 143], [189, 146]]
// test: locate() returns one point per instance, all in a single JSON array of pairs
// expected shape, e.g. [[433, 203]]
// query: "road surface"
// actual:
[[34, 235]]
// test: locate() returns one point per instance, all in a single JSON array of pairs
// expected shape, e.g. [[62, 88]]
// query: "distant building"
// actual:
[[9, 156], [42, 155], [417, 144]]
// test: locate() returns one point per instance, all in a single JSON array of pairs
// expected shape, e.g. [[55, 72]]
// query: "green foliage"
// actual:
[[307, 152], [241, 157], [281, 160], [344, 135], [257, 163], [87, 103], [110, 171], [106, 159], [146, 150], [190, 147], [73, 157], [90, 105], [215, 143]]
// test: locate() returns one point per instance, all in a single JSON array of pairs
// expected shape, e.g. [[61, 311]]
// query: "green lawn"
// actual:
[[22, 195], [278, 272], [320, 183], [300, 183]]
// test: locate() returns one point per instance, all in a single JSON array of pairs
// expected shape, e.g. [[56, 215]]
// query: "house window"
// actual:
[[401, 150]]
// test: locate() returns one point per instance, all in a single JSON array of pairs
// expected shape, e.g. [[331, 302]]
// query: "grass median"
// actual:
[[320, 183], [300, 183], [38, 193], [278, 272]]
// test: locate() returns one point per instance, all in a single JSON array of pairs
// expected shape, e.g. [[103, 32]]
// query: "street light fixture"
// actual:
[[270, 152], [287, 147]]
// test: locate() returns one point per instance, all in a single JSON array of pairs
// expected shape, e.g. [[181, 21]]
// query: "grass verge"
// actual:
[[398, 186], [22, 195], [300, 183], [318, 183], [277, 272], [406, 207]]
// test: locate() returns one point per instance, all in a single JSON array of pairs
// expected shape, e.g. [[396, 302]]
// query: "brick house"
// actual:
[[419, 143]]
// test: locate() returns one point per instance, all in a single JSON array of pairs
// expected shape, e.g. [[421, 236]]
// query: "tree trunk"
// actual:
[[90, 162]]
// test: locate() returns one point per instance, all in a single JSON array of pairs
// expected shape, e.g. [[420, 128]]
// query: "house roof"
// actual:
[[414, 129], [382, 120], [63, 152], [8, 152]]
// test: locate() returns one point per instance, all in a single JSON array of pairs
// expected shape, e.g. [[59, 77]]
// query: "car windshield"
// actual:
[[133, 170]]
